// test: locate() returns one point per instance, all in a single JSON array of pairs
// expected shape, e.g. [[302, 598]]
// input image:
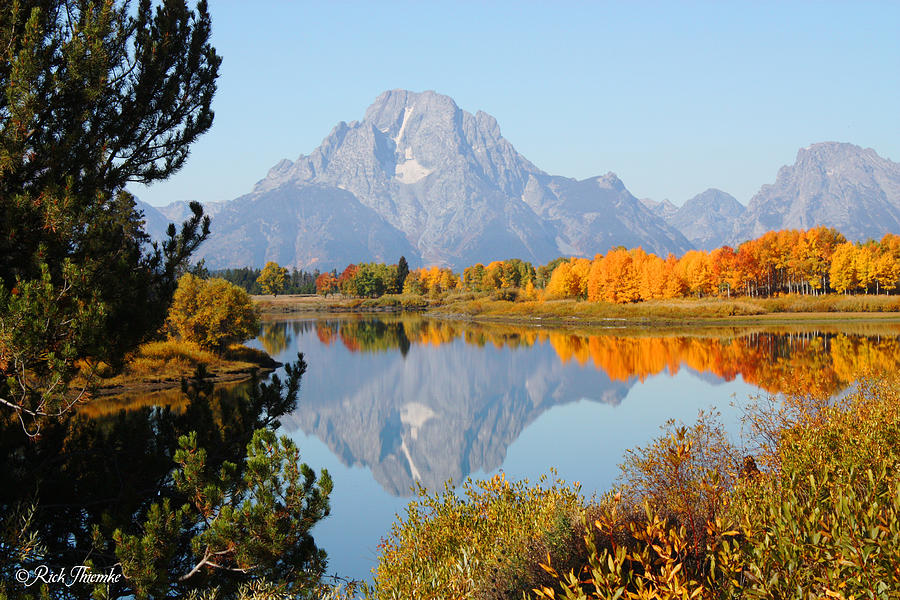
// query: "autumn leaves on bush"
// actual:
[[212, 313]]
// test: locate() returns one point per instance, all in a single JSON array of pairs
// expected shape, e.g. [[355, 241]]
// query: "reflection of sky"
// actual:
[[586, 441], [555, 414], [361, 511]]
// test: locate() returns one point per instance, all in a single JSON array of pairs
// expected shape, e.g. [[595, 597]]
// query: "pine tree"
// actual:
[[95, 95], [402, 272]]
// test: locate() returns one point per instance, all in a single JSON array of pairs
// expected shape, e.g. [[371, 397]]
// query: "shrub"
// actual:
[[506, 295], [212, 313], [485, 543], [827, 518], [823, 522], [650, 557], [684, 475]]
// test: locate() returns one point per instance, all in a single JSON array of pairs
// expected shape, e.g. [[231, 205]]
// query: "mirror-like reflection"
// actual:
[[778, 360], [424, 400]]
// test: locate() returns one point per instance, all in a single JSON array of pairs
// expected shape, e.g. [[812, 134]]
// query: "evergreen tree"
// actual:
[[95, 95], [402, 272]]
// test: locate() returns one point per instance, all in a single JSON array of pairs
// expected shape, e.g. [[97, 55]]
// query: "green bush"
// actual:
[[486, 542]]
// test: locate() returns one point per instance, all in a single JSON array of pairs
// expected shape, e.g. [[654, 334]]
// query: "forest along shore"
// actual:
[[702, 311]]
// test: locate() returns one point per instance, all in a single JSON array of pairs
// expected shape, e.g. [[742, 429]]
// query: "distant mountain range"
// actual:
[[420, 177]]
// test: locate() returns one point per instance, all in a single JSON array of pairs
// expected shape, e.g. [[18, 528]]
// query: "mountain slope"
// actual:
[[708, 219], [594, 215], [155, 222], [302, 224], [833, 184], [662, 209]]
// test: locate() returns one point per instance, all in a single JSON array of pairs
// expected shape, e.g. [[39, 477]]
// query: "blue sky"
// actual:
[[674, 97]]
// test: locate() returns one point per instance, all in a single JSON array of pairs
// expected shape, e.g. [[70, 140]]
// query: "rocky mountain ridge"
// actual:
[[444, 180], [839, 185], [708, 219], [422, 178]]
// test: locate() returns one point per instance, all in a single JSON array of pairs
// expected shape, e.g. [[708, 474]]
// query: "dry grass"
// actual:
[[679, 310], [173, 360]]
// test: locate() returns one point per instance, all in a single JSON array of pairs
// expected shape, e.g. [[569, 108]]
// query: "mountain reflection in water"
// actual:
[[422, 400]]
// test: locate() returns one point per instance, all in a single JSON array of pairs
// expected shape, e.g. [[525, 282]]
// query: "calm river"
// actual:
[[388, 402]]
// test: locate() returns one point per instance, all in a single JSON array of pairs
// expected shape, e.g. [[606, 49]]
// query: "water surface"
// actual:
[[388, 403]]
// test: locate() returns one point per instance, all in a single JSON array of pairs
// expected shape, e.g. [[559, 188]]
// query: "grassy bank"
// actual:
[[680, 310], [162, 365], [300, 304], [710, 310]]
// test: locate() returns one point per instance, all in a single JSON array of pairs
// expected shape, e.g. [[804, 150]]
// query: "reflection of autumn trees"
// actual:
[[811, 362], [274, 337], [805, 363]]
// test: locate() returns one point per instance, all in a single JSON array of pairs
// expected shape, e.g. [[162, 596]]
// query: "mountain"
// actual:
[[434, 183], [707, 219], [180, 211], [833, 184], [663, 208], [155, 222], [599, 213], [301, 224]]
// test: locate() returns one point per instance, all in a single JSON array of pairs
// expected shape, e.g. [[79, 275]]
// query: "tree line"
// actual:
[[812, 262], [290, 282]]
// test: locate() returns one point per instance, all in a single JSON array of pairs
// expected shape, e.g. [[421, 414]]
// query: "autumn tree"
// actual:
[[432, 280], [272, 279], [414, 284], [888, 267], [543, 272], [473, 277], [612, 278], [866, 260], [212, 313], [652, 278], [843, 268], [326, 283], [694, 269], [347, 280], [675, 285], [564, 283]]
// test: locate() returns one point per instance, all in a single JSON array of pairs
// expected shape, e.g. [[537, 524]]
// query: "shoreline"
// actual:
[[149, 386], [568, 313], [235, 366]]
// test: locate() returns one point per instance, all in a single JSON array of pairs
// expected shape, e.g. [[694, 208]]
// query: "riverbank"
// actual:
[[311, 303], [163, 365], [676, 312]]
